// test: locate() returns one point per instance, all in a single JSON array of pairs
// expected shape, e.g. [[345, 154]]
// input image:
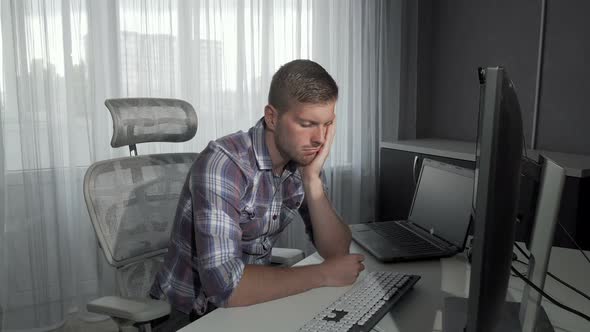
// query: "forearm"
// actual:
[[331, 236], [261, 283]]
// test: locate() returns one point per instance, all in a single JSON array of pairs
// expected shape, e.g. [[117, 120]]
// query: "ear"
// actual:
[[271, 117]]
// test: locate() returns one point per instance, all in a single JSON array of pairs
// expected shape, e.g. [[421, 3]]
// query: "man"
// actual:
[[244, 189]]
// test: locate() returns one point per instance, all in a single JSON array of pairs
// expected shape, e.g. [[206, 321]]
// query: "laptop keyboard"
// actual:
[[402, 237]]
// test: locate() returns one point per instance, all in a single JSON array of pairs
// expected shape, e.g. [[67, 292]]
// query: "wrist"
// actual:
[[310, 177], [313, 185], [322, 275]]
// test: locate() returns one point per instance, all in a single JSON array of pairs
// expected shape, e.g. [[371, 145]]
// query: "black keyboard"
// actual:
[[403, 237], [364, 305]]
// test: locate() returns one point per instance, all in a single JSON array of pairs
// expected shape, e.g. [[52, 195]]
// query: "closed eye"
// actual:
[[309, 124]]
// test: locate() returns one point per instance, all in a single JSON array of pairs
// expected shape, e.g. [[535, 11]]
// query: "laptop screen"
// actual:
[[442, 201]]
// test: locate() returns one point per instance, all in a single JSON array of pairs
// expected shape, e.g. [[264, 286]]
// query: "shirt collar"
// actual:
[[261, 150], [259, 144]]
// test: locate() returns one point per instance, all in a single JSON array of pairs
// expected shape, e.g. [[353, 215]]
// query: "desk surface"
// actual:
[[420, 309]]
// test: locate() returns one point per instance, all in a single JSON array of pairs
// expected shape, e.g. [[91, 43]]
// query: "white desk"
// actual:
[[420, 309]]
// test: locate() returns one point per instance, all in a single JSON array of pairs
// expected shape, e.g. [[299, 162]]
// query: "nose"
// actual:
[[319, 136]]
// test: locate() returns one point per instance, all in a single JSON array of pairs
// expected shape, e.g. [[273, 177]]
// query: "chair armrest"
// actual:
[[286, 256], [136, 309]]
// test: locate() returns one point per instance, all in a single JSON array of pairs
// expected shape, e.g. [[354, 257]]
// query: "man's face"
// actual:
[[301, 131]]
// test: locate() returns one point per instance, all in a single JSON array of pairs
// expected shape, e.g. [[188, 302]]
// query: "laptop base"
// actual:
[[386, 250]]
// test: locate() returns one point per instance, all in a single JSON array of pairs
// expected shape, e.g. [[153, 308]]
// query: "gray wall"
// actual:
[[392, 72], [455, 37], [564, 112]]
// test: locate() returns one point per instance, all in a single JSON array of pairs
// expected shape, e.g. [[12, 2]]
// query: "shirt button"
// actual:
[[297, 203], [274, 217]]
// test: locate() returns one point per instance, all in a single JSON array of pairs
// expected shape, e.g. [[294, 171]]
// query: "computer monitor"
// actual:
[[496, 193], [496, 200], [499, 147], [529, 182]]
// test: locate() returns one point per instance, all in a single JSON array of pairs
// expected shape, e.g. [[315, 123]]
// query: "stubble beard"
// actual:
[[300, 160]]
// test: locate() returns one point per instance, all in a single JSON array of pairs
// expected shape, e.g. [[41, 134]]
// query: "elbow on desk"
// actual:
[[335, 250], [233, 301], [220, 283]]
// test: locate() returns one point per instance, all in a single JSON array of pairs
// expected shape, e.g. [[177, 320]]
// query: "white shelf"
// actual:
[[575, 165], [437, 147]]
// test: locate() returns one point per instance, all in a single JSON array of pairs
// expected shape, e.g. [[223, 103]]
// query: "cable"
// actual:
[[560, 225], [524, 146], [573, 241], [523, 263], [523, 138], [548, 297], [568, 285], [527, 256], [551, 274]]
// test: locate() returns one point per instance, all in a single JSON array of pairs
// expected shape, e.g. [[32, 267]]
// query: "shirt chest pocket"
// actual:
[[290, 210], [252, 221], [293, 202], [256, 245]]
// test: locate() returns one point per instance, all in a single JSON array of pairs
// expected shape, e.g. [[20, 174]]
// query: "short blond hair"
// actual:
[[303, 81]]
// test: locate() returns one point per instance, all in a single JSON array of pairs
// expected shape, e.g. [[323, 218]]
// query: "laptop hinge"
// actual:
[[439, 240]]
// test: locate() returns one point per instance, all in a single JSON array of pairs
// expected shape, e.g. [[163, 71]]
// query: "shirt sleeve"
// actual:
[[216, 183]]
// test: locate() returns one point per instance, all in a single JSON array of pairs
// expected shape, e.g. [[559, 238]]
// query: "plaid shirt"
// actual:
[[230, 213]]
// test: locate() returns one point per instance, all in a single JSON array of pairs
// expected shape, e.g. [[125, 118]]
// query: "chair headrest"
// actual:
[[140, 120]]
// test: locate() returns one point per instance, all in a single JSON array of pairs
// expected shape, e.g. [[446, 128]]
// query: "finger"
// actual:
[[324, 150], [359, 257], [332, 131], [330, 134], [329, 138]]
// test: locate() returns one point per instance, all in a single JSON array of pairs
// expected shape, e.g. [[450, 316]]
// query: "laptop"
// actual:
[[438, 221]]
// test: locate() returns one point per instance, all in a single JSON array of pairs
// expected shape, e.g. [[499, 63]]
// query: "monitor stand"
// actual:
[[455, 317], [528, 315]]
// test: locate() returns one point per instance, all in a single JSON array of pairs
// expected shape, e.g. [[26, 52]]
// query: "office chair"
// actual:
[[132, 203]]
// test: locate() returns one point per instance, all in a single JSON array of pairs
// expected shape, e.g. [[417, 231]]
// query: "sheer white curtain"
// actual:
[[60, 59]]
